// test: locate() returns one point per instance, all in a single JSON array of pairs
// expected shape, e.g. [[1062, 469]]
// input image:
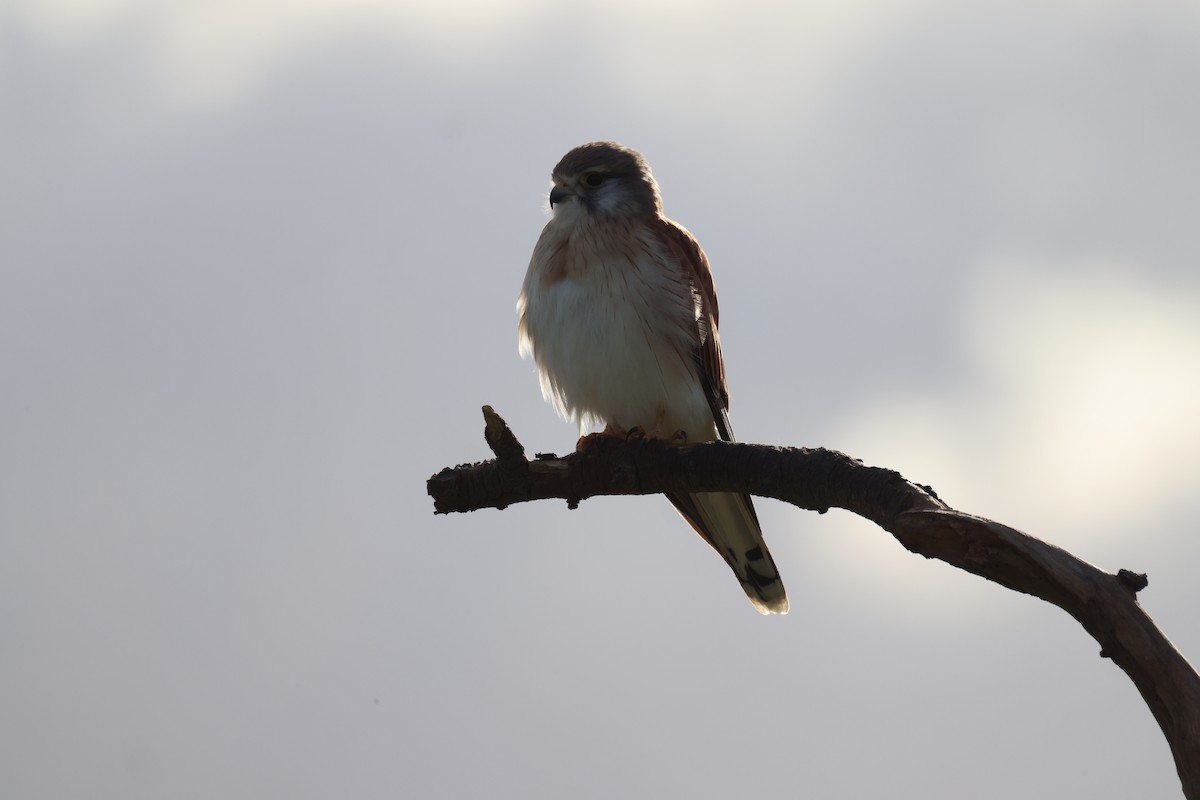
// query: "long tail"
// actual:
[[728, 523]]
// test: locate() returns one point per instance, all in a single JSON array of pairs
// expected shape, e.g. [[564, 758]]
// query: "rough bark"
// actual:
[[818, 479]]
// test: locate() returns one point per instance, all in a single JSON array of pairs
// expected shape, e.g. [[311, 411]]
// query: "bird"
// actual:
[[619, 312]]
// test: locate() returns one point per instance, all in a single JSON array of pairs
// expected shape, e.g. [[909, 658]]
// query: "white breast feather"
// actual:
[[614, 338]]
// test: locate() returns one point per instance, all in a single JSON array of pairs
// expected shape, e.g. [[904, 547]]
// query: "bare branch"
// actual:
[[817, 479]]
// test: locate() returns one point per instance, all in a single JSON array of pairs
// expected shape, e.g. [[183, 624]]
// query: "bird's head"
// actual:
[[604, 178]]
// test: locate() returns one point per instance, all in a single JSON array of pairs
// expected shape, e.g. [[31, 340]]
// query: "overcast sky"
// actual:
[[258, 267]]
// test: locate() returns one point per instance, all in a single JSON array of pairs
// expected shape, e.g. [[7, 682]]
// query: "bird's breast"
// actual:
[[610, 319]]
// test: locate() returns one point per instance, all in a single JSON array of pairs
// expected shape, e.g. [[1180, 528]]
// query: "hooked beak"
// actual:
[[558, 194]]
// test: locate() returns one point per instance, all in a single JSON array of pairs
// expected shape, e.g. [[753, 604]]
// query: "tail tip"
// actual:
[[768, 606]]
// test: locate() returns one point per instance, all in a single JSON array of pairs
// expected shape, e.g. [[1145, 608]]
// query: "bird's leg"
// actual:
[[638, 432], [614, 430], [658, 431], [610, 429]]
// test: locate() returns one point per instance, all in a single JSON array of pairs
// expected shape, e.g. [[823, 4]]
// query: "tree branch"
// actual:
[[817, 479]]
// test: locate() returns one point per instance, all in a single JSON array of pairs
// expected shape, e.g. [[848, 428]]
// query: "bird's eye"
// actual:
[[592, 179]]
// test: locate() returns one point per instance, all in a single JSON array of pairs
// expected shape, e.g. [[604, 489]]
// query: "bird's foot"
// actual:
[[610, 431], [660, 431]]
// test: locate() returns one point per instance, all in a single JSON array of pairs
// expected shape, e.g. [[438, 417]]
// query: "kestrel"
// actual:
[[619, 312]]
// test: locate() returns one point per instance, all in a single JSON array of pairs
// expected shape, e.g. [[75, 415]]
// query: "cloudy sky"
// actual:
[[258, 266]]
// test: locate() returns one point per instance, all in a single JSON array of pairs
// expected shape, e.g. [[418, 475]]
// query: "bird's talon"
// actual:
[[610, 432], [586, 441]]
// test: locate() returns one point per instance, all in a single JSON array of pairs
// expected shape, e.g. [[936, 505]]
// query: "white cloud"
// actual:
[[210, 52], [1076, 415]]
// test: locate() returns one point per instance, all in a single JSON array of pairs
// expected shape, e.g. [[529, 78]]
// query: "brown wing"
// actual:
[[708, 352], [726, 521]]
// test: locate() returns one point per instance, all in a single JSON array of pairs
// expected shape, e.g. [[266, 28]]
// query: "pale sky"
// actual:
[[258, 267]]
